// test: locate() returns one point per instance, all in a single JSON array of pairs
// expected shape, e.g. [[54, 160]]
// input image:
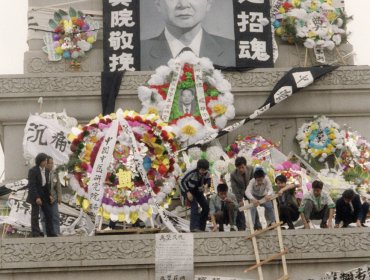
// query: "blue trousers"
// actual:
[[198, 220], [269, 212], [55, 219]]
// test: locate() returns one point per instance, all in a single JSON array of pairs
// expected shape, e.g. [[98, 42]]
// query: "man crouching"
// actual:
[[223, 208]]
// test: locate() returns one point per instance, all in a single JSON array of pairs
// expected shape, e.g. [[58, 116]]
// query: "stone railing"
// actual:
[[337, 248]]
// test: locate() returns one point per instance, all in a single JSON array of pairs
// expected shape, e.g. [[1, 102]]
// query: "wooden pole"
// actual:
[[264, 230], [269, 259], [298, 54], [305, 58], [280, 237], [340, 56], [254, 242]]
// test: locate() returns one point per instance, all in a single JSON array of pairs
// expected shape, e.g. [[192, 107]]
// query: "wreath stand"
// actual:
[[254, 234], [310, 60]]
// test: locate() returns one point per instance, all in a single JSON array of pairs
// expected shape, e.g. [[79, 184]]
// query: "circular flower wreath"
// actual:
[[74, 34], [320, 138], [251, 145], [313, 23], [130, 200], [218, 98], [357, 151]]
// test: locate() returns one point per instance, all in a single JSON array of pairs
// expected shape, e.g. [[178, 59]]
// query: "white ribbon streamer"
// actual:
[[171, 93], [100, 169], [200, 96]]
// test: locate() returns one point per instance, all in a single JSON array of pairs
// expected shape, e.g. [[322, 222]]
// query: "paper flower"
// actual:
[[249, 146], [320, 138], [217, 104], [125, 193], [73, 35], [313, 23]]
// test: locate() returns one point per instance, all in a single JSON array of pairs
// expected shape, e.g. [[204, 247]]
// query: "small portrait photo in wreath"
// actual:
[[168, 27], [187, 101]]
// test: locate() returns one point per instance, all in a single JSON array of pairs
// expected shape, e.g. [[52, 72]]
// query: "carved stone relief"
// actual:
[[318, 243]]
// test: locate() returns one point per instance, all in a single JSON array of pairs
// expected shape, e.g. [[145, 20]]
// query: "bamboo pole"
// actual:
[[264, 230], [280, 237], [305, 58], [269, 259], [255, 246]]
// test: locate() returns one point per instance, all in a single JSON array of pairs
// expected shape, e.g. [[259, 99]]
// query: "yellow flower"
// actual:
[[150, 141], [153, 110], [312, 34], [161, 160], [313, 6], [106, 215], [85, 204], [330, 2], [281, 10], [331, 16], [296, 3], [133, 217], [278, 31], [149, 212], [188, 130], [121, 217], [219, 109]]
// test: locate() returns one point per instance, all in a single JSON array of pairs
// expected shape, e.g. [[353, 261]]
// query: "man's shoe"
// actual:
[[233, 228], [323, 225]]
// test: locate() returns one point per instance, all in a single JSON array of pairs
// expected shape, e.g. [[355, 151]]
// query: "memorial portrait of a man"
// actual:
[[184, 30], [187, 101]]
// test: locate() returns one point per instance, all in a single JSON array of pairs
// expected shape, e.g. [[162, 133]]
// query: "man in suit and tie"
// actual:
[[239, 181], [39, 196], [187, 101], [183, 30]]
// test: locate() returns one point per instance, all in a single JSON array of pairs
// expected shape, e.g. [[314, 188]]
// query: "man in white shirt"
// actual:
[[258, 188], [183, 30]]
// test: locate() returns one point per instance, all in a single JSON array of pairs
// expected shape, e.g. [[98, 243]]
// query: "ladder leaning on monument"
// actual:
[[254, 234]]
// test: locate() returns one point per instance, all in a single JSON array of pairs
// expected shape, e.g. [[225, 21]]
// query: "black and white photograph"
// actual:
[[168, 27], [187, 101]]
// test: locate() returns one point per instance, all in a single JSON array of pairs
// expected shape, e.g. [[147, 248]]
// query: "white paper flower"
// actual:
[[309, 44], [221, 166], [189, 130], [195, 153], [337, 39], [144, 93], [214, 153]]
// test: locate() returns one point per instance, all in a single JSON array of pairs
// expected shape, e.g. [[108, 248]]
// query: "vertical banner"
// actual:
[[121, 35], [253, 37], [100, 168], [174, 256]]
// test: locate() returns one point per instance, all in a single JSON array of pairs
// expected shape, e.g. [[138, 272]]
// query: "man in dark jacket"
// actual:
[[192, 187], [39, 196], [239, 181], [350, 210], [288, 206]]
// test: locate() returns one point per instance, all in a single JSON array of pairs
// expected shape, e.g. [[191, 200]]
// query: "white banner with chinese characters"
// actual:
[[358, 273], [20, 216], [100, 169], [45, 136], [174, 256]]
